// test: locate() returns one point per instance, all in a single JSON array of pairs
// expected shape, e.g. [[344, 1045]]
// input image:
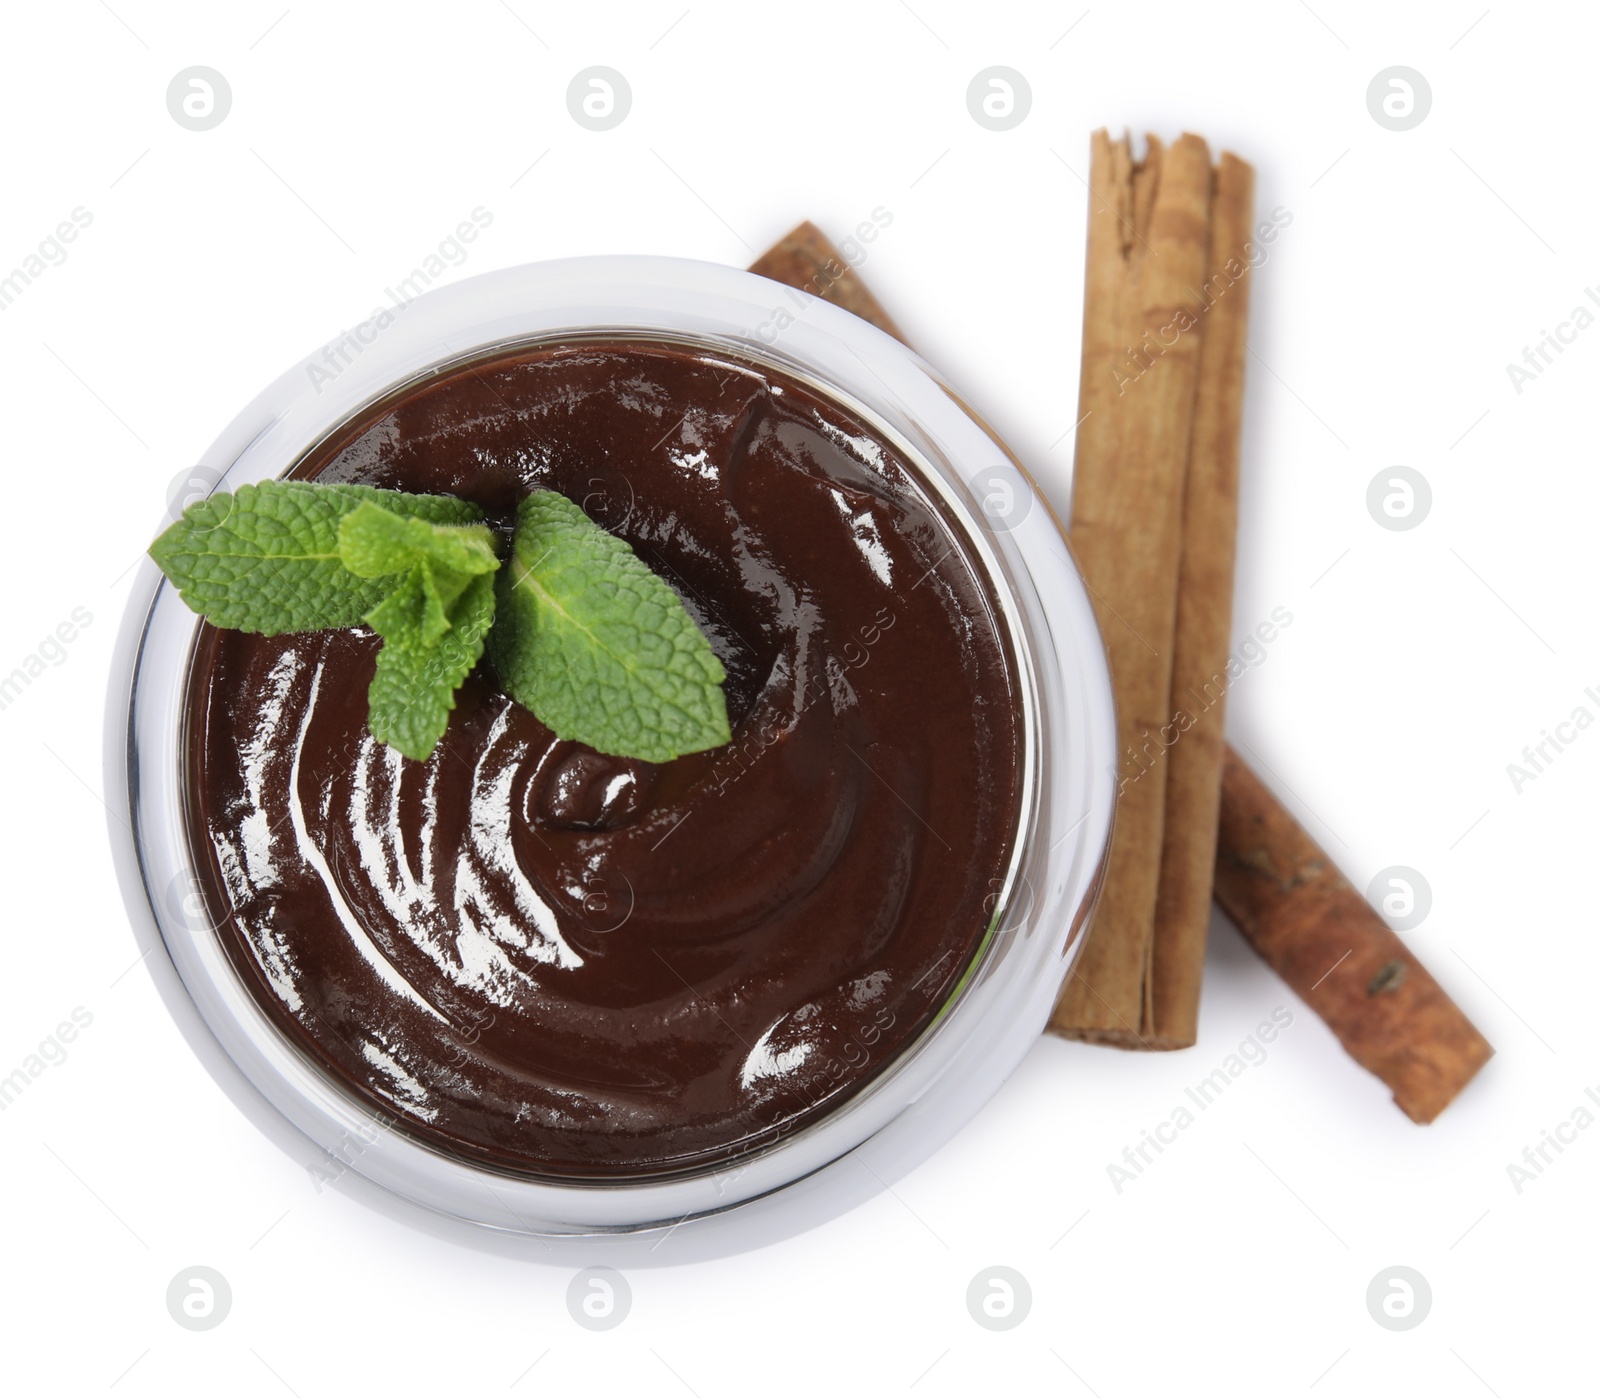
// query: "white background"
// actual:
[[1418, 665]]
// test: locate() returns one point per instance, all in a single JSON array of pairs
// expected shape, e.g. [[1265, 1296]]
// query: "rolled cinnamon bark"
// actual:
[[1316, 931], [1143, 328], [1204, 632]]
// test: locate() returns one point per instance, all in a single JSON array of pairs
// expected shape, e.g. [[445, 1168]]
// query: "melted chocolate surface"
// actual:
[[555, 962]]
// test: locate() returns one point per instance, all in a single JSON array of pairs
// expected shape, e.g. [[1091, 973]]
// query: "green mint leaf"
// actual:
[[265, 558], [598, 646], [414, 687], [416, 612], [374, 541], [437, 561], [433, 622]]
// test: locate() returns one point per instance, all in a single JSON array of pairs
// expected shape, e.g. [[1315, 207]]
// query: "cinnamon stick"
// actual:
[[1316, 931], [1148, 245], [1200, 658]]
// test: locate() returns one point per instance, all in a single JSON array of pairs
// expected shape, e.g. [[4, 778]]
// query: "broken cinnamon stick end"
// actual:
[[1088, 1017], [807, 258], [1118, 1039], [1430, 1087]]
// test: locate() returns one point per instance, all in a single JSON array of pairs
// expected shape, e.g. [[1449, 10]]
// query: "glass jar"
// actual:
[[937, 1082]]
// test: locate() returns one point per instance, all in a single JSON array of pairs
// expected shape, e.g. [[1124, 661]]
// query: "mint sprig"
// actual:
[[581, 630]]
